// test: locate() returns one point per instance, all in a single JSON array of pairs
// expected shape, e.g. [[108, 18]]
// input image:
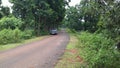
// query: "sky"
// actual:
[[72, 3], [6, 3]]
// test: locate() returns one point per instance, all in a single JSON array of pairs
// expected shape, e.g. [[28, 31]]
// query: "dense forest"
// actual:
[[95, 23]]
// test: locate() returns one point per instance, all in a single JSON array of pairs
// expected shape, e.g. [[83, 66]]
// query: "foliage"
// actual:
[[10, 23], [38, 15], [27, 34], [10, 36], [95, 15], [4, 11], [79, 18], [45, 14], [109, 21], [73, 19], [98, 51], [101, 18], [13, 36]]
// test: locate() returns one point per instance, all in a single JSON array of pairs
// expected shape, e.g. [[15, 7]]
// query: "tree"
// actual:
[[4, 11], [73, 18], [109, 20], [43, 13], [0, 11], [58, 7], [87, 16], [96, 15], [10, 23]]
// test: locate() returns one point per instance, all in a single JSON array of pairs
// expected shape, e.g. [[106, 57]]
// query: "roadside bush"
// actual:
[[10, 23], [27, 34], [17, 35], [5, 35], [10, 36], [98, 51], [43, 32]]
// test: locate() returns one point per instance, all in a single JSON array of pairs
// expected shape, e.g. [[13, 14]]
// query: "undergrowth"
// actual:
[[98, 51]]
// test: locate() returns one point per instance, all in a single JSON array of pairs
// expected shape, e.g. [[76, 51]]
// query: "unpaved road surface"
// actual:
[[40, 54]]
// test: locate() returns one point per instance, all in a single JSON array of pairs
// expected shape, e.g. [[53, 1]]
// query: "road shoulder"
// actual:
[[71, 57]]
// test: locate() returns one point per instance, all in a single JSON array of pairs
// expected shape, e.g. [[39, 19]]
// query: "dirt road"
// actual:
[[39, 54]]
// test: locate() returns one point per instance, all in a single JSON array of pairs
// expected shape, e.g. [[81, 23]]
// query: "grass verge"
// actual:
[[10, 46], [71, 57]]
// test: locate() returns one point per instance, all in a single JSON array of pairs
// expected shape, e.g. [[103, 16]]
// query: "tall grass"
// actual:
[[98, 51]]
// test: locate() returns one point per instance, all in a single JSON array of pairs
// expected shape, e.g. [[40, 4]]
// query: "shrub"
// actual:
[[27, 34], [10, 36], [5, 36], [17, 35], [10, 23], [98, 51]]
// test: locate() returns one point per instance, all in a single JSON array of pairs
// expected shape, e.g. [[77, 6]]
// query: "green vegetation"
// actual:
[[98, 51], [40, 15], [96, 25], [10, 23], [4, 11], [10, 36], [87, 50], [100, 16], [29, 18], [13, 36]]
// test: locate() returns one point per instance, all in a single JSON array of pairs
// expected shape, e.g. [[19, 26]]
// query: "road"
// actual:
[[39, 54]]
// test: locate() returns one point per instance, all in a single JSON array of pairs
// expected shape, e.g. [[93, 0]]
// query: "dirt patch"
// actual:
[[73, 51], [79, 59]]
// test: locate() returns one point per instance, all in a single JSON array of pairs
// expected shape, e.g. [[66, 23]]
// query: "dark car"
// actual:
[[53, 31]]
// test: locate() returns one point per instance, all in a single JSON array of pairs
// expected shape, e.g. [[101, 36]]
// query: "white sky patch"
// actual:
[[74, 2], [6, 3], [117, 0]]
